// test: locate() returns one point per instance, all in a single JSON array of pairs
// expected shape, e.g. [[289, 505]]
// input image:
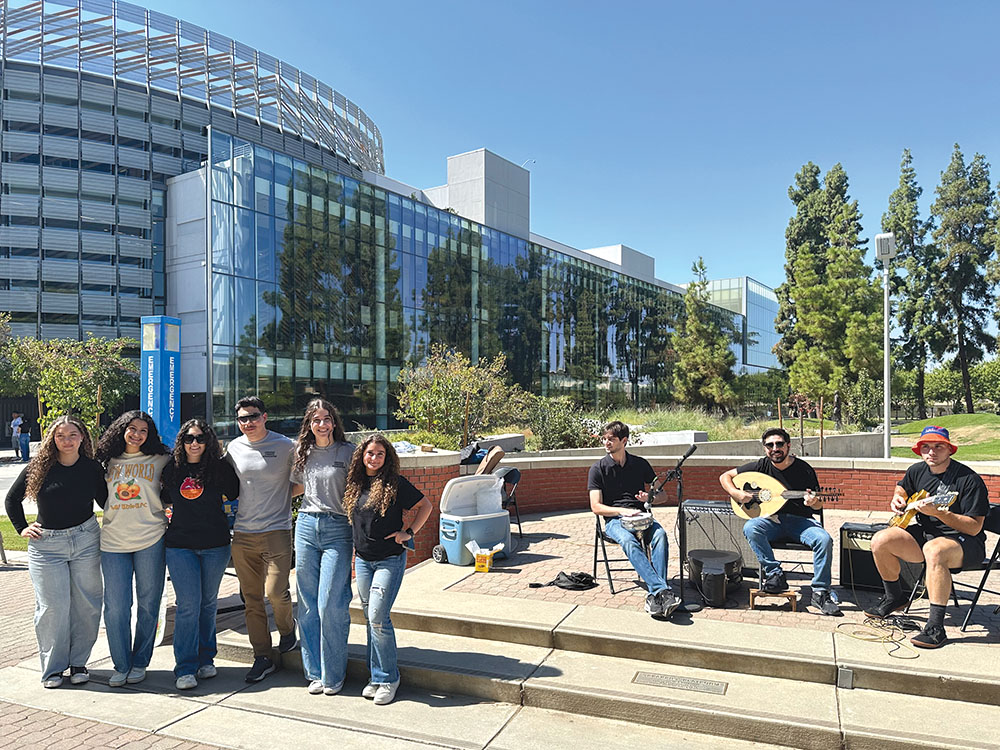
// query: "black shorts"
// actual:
[[973, 548]]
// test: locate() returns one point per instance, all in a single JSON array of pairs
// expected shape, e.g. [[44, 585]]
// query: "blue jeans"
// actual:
[[652, 570], [149, 568], [323, 551], [195, 574], [65, 569], [378, 584], [25, 441], [760, 532]]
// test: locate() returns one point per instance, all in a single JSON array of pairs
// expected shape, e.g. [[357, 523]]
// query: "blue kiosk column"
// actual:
[[160, 386]]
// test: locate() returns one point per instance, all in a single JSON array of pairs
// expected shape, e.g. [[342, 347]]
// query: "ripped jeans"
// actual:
[[378, 584]]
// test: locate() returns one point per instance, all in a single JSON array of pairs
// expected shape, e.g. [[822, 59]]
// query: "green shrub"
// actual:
[[559, 423]]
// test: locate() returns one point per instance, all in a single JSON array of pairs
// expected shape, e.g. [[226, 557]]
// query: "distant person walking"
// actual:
[[132, 541], [24, 438], [15, 433], [64, 547]]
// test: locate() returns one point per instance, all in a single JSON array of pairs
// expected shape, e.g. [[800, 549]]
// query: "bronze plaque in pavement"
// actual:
[[680, 683]]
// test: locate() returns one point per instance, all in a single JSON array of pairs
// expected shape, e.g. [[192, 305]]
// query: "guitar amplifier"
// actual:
[[711, 524], [857, 566]]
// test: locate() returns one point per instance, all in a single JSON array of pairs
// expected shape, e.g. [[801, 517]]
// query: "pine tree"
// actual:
[[919, 307], [837, 324], [965, 221], [704, 372]]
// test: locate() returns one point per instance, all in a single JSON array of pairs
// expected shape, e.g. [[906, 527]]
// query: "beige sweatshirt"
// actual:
[[134, 517]]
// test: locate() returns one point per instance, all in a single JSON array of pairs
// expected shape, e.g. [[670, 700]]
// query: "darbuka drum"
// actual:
[[638, 522]]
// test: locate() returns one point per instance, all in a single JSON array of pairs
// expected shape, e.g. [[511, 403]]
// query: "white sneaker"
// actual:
[[186, 682], [136, 674], [52, 681], [370, 689], [334, 689], [386, 692], [117, 679], [206, 672], [315, 687]]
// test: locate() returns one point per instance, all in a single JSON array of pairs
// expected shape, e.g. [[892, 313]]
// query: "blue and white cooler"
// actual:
[[472, 509]]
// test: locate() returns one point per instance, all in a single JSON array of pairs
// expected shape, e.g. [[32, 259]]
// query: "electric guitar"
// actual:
[[918, 499], [769, 495]]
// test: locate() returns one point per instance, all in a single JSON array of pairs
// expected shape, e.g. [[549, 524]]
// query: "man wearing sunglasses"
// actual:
[[794, 522], [262, 534], [943, 537]]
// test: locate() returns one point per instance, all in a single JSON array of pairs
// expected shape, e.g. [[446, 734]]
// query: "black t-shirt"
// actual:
[[798, 476], [198, 520], [371, 529], [620, 484], [66, 497], [973, 497]]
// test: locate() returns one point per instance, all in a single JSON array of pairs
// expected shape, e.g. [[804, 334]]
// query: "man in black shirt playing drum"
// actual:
[[943, 537], [793, 522], [617, 487]]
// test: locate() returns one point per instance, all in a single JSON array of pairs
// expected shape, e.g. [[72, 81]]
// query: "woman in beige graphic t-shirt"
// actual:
[[132, 541]]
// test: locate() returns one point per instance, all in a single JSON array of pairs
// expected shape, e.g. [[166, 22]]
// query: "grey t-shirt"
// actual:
[[325, 477], [265, 485]]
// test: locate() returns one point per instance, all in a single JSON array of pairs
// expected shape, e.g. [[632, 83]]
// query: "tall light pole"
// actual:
[[885, 250]]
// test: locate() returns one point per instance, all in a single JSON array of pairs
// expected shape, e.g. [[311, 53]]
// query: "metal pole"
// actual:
[[886, 375]]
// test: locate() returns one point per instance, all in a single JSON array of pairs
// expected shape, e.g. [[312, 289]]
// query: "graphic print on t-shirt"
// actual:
[[191, 488]]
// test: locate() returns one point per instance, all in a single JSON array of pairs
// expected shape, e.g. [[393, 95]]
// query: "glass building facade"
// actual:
[[758, 307]]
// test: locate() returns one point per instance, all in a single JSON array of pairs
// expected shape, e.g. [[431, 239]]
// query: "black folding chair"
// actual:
[[510, 476], [601, 540], [991, 523]]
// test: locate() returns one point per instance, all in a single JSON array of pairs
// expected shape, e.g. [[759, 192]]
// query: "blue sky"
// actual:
[[675, 128]]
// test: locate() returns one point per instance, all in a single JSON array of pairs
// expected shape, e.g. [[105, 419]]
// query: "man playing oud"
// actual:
[[943, 537], [794, 522]]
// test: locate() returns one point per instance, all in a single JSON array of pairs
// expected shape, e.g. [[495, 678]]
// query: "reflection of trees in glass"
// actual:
[[511, 297], [447, 314]]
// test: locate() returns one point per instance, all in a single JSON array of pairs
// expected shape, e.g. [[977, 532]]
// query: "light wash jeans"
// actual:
[[760, 532], [323, 551], [65, 569], [196, 575], [652, 570], [378, 584], [149, 568], [25, 444]]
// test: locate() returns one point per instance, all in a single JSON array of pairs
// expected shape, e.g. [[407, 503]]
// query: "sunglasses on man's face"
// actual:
[[775, 445], [248, 418], [188, 439]]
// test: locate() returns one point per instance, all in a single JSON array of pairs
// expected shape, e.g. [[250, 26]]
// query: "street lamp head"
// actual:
[[527, 161]]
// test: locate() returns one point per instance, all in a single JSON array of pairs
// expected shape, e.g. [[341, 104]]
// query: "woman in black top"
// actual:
[[196, 483], [64, 547], [375, 500]]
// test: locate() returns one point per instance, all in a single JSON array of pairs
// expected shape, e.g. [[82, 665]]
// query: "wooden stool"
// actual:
[[791, 596]]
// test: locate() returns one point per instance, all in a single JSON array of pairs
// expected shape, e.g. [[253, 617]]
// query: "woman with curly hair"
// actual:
[[196, 483], [375, 499], [64, 547], [323, 547], [132, 541]]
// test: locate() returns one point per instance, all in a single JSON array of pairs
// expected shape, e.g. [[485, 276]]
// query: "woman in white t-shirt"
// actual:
[[132, 541]]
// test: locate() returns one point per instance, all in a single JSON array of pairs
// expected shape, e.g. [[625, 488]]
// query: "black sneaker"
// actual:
[[289, 640], [654, 605], [932, 636], [78, 675], [825, 602], [887, 605], [775, 583], [669, 601], [262, 667]]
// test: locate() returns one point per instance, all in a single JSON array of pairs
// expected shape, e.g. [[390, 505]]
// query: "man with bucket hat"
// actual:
[[943, 538]]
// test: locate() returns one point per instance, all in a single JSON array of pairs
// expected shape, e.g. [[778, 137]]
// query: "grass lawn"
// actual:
[[11, 539], [952, 422]]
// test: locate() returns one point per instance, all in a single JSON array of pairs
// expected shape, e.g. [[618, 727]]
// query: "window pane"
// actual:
[[244, 253], [223, 312]]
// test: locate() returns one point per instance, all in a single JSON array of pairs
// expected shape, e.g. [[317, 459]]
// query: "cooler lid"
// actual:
[[472, 495]]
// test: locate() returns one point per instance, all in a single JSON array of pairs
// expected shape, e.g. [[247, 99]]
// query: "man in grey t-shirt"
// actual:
[[262, 540]]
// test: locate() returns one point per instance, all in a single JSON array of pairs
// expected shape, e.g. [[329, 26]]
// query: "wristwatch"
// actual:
[[410, 532]]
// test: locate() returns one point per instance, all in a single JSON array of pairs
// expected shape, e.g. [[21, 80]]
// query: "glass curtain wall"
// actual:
[[325, 285]]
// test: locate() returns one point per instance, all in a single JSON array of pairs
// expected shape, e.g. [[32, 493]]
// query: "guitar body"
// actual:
[[768, 497], [918, 498]]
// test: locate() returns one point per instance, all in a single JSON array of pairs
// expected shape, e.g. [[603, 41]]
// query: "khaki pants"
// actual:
[[263, 562]]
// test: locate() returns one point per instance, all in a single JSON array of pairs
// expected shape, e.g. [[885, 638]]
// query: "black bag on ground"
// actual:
[[569, 581]]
